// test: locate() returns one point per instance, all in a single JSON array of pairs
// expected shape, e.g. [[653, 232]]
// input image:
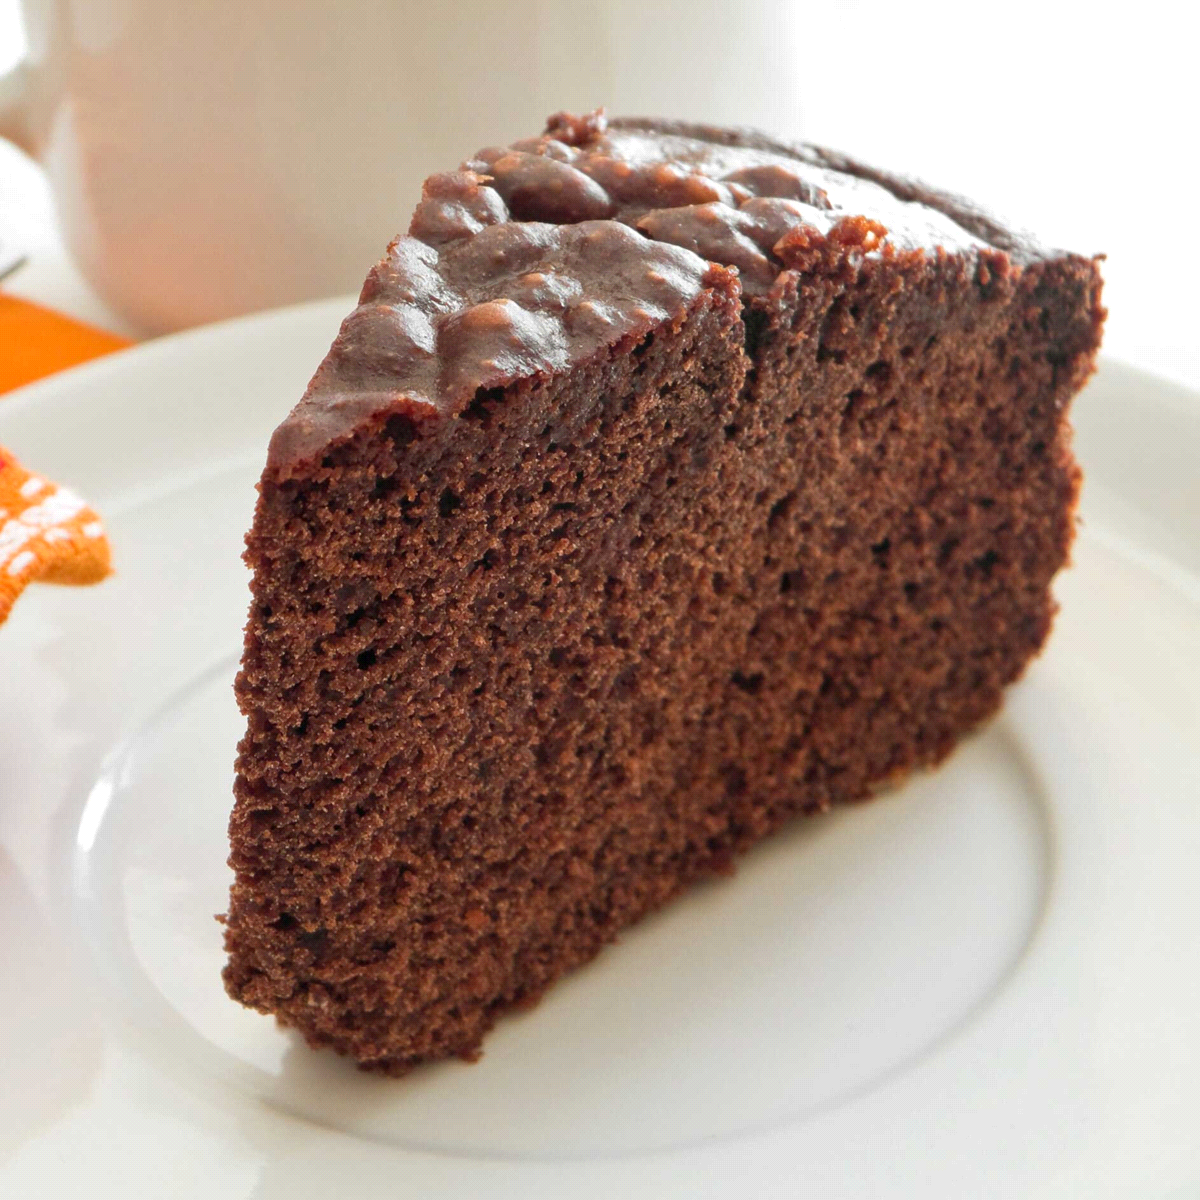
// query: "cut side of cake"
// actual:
[[666, 483]]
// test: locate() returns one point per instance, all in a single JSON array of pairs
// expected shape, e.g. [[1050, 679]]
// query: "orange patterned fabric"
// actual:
[[47, 533]]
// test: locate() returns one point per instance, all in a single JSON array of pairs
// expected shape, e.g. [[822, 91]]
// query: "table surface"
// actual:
[[1076, 132]]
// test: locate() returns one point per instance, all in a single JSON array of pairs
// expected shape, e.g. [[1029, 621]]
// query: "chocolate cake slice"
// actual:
[[667, 482]]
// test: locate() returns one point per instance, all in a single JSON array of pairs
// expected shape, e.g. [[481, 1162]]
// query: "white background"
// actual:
[[1075, 120]]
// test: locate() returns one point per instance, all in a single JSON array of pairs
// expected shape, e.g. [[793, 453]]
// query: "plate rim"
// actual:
[[70, 386]]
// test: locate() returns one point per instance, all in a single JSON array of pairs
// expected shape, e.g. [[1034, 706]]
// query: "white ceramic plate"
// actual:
[[985, 984]]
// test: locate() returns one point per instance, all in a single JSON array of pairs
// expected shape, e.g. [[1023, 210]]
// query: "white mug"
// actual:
[[214, 158]]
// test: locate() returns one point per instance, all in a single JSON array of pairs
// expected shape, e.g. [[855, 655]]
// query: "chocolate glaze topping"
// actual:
[[533, 257], [501, 302]]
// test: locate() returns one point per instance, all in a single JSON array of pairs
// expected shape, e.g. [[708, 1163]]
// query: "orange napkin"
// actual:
[[35, 341], [46, 532]]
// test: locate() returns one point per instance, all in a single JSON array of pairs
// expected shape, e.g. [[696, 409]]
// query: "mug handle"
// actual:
[[14, 115]]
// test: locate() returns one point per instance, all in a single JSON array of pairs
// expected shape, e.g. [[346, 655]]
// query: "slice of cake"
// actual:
[[666, 482]]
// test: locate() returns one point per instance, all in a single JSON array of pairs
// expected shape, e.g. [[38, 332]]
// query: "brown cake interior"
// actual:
[[515, 678]]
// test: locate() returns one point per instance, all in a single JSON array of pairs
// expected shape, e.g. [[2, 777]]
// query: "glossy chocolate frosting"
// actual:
[[533, 257]]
